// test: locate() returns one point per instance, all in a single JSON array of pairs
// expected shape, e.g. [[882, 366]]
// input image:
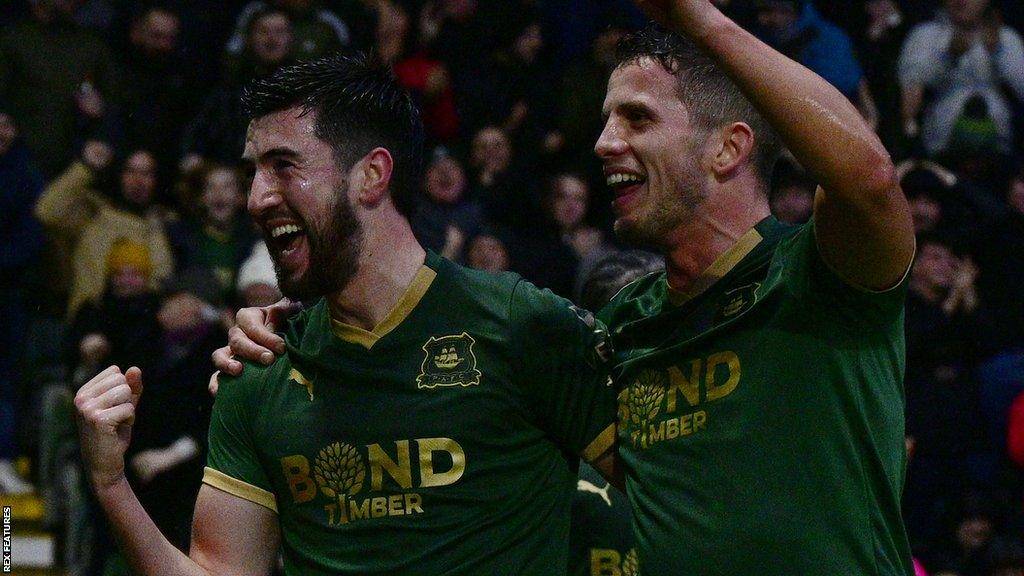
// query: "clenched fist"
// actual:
[[106, 408]]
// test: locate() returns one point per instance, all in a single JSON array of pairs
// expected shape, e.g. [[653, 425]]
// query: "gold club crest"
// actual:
[[739, 300], [449, 361]]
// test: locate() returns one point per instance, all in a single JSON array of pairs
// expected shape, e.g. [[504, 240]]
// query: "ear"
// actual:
[[735, 150], [374, 172]]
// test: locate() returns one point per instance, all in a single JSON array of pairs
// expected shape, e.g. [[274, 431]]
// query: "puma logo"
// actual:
[[585, 486]]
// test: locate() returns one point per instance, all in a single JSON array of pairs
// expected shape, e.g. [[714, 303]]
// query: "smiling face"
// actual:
[[221, 196], [300, 199], [138, 179], [569, 201], [650, 152]]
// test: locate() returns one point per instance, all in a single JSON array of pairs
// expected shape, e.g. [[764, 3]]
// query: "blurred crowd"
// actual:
[[125, 239]]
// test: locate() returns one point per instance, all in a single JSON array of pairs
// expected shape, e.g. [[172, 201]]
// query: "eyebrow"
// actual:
[[278, 152], [634, 107]]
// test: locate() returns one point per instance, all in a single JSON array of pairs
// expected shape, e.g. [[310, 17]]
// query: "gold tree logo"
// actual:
[[631, 564], [643, 402], [339, 471]]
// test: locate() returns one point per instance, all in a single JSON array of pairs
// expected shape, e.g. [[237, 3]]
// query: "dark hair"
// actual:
[[711, 97], [615, 271], [358, 107], [263, 12]]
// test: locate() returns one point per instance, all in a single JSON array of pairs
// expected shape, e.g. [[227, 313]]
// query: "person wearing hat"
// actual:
[[86, 222], [121, 325]]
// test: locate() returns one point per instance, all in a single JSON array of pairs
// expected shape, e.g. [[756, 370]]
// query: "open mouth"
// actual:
[[625, 186], [286, 238]]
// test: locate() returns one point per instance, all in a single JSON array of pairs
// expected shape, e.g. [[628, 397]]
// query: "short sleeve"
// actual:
[[232, 463], [563, 354], [809, 277]]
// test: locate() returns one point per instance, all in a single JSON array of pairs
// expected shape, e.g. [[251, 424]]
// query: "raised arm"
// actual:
[[863, 222], [66, 205], [230, 535]]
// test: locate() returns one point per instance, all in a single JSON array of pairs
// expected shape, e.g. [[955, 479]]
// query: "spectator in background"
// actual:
[[445, 216], [317, 31], [456, 34], [489, 250], [523, 101], [880, 39], [120, 327], [942, 201], [156, 98], [58, 80], [88, 221], [999, 250], [795, 28], [965, 549], [501, 189], [168, 448], [580, 97], [946, 333], [218, 132], [216, 234], [965, 55], [21, 238], [1000, 253], [546, 254], [568, 203], [417, 71], [257, 283], [792, 194]]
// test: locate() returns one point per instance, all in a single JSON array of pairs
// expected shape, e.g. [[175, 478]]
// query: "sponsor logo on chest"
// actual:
[[355, 483], [667, 403]]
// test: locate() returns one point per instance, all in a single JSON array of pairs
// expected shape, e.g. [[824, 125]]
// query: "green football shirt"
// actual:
[[445, 441], [601, 539], [761, 416]]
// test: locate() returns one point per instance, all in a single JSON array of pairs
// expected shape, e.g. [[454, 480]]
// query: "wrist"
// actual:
[[700, 21], [110, 487]]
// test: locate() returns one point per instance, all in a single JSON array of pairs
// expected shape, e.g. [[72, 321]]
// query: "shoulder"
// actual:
[[466, 286], [306, 329], [254, 383], [639, 294]]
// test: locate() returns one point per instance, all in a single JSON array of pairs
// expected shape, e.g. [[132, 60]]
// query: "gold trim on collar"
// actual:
[[412, 296], [719, 268]]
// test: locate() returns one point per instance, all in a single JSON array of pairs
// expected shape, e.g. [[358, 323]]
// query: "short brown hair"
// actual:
[[710, 96]]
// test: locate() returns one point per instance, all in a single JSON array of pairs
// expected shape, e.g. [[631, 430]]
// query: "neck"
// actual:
[[390, 259], [693, 246]]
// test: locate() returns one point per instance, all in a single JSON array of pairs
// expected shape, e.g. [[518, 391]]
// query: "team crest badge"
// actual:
[[738, 300], [449, 361]]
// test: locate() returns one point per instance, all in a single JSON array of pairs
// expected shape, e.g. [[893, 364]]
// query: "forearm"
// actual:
[[822, 129], [64, 202], [146, 549]]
